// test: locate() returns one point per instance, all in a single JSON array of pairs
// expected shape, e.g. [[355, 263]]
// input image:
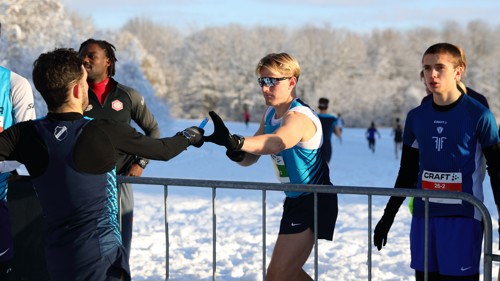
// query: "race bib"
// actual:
[[280, 168], [442, 181]]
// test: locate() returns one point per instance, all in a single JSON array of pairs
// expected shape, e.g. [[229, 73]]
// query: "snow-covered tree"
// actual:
[[367, 76], [28, 29]]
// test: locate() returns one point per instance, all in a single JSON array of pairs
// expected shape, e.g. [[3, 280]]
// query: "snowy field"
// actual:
[[239, 223]]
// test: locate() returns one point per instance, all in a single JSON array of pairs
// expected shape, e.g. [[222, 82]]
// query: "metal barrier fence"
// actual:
[[488, 256]]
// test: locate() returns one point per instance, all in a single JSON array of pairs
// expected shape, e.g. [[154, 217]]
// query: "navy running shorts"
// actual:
[[298, 214], [454, 245]]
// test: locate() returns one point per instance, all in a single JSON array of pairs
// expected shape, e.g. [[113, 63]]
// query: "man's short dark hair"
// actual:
[[323, 103], [53, 74]]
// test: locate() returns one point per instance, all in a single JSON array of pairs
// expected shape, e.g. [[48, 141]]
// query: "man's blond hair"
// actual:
[[279, 64]]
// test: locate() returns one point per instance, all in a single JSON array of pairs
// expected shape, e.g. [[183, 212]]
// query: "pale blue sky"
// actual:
[[357, 15]]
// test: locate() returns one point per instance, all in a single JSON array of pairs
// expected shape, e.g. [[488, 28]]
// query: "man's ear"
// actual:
[[293, 82], [459, 72], [76, 90]]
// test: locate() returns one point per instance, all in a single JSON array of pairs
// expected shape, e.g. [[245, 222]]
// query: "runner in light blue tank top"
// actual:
[[303, 163], [291, 133]]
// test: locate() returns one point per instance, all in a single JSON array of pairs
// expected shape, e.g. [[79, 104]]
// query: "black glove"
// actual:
[[194, 135], [236, 155], [221, 135], [381, 231]]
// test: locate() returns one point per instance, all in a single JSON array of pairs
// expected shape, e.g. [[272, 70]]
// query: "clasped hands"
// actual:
[[221, 136]]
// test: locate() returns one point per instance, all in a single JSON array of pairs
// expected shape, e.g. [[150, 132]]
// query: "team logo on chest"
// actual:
[[439, 140], [117, 105], [60, 133]]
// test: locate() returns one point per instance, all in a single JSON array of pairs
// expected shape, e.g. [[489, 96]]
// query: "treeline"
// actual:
[[372, 76]]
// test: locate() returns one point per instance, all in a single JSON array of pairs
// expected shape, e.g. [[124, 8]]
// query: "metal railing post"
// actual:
[[167, 239], [264, 219], [426, 240], [214, 236], [488, 244], [369, 237], [316, 236]]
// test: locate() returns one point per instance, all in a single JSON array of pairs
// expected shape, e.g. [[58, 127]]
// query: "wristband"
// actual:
[[141, 162], [240, 139]]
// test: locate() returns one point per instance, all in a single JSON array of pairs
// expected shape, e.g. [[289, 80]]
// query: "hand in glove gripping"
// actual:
[[221, 135], [236, 155], [381, 231], [194, 135]]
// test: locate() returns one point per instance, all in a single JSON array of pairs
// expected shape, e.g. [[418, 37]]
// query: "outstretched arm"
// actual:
[[295, 127], [251, 158]]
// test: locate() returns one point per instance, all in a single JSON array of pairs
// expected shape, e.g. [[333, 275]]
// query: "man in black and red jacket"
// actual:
[[111, 100]]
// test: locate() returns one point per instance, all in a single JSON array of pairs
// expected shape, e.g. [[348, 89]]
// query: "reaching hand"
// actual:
[[221, 135], [381, 231], [194, 135]]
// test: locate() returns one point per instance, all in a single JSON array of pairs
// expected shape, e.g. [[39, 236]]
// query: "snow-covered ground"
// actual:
[[239, 220]]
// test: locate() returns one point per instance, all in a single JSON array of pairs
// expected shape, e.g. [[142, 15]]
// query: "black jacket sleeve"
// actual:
[[102, 141], [492, 155], [407, 178]]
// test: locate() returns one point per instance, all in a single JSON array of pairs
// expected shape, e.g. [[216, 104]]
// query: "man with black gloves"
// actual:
[[111, 100], [71, 160], [444, 142], [291, 133]]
